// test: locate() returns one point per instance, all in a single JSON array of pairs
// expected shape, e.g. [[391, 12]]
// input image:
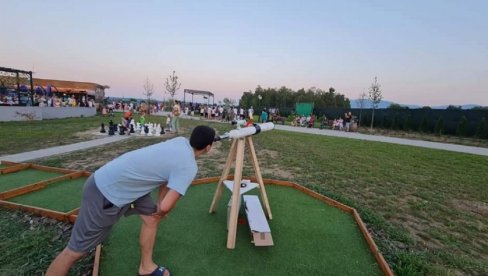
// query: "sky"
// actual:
[[430, 52]]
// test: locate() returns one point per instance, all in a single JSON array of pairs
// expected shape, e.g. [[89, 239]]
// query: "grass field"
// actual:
[[331, 244], [24, 177], [427, 209], [62, 196]]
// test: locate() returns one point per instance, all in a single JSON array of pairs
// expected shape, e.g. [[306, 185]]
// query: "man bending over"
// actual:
[[123, 187]]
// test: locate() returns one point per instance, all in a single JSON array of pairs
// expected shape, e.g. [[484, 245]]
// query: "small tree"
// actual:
[[439, 126], [462, 126], [172, 85], [148, 92], [362, 104], [375, 96]]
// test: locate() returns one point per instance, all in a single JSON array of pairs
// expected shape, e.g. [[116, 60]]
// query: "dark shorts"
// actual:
[[97, 216]]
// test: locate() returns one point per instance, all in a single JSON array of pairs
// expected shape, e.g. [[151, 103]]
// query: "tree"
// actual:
[[397, 106], [375, 97], [148, 92], [172, 85], [362, 104], [454, 107]]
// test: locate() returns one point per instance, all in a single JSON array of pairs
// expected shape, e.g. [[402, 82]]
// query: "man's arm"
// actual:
[[167, 203]]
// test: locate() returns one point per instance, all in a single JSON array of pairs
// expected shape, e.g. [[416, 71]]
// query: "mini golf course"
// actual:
[[313, 235]]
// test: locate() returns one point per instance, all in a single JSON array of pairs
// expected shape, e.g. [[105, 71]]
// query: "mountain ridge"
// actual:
[[385, 104]]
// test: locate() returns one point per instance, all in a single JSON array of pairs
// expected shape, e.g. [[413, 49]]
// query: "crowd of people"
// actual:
[[342, 123], [53, 100]]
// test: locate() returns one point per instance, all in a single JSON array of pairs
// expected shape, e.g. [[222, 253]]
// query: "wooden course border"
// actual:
[[14, 168], [72, 215], [9, 163]]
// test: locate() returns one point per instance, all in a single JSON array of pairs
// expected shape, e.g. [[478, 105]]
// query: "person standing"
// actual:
[[347, 120], [123, 187], [175, 121], [264, 116]]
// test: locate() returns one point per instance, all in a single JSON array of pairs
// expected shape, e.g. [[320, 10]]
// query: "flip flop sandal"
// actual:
[[159, 271]]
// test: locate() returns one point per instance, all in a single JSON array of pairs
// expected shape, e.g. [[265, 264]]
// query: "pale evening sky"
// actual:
[[429, 52]]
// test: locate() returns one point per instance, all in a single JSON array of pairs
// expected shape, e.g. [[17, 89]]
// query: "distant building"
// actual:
[[91, 89], [17, 85]]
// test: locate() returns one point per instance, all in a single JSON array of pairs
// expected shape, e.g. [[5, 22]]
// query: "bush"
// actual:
[[462, 126]]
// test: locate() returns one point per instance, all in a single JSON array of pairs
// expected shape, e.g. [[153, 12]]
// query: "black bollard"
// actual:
[[121, 130], [146, 129], [132, 129], [162, 131], [102, 130]]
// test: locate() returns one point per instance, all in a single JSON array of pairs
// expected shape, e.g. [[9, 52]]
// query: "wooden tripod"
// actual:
[[236, 153]]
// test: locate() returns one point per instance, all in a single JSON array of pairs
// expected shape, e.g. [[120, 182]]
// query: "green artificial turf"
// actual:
[[311, 238], [24, 177], [61, 196]]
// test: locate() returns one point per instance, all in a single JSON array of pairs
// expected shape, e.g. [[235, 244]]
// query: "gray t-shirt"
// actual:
[[137, 173]]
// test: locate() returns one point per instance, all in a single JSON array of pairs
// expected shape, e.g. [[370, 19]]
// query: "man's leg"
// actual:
[[63, 262], [177, 124], [147, 239]]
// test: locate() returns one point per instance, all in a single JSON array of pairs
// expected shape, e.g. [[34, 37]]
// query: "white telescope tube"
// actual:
[[246, 131]]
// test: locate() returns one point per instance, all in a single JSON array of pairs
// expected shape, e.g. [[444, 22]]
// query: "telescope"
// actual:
[[245, 131]]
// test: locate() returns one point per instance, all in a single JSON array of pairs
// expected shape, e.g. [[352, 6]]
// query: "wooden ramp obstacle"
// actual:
[[261, 233]]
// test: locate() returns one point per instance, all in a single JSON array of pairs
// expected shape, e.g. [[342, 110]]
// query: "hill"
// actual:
[[386, 104]]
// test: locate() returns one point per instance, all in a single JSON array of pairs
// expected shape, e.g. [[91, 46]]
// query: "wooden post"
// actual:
[[259, 178], [234, 209], [225, 173]]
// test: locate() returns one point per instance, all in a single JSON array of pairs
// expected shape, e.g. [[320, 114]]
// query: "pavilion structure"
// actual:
[[22, 84], [14, 78], [206, 95]]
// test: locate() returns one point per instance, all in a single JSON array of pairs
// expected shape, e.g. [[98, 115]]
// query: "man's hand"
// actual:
[[159, 213], [167, 203]]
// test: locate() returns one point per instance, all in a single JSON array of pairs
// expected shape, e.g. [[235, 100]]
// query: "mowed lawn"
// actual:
[[427, 209]]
